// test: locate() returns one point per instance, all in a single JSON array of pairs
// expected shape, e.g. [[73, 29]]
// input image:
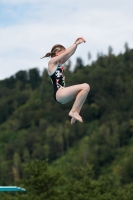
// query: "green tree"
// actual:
[[34, 77], [43, 183]]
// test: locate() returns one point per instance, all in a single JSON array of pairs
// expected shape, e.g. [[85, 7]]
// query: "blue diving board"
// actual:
[[11, 189]]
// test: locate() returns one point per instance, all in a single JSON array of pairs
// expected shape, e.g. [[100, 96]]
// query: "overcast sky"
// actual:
[[29, 29]]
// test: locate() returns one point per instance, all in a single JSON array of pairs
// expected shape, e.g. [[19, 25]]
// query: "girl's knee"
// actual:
[[86, 86]]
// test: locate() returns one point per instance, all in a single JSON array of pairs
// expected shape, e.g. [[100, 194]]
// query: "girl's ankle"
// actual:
[[73, 111]]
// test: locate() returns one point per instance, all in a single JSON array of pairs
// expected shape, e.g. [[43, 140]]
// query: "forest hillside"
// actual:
[[34, 126]]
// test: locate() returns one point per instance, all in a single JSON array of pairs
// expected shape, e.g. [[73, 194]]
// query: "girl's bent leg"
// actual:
[[77, 91], [80, 99]]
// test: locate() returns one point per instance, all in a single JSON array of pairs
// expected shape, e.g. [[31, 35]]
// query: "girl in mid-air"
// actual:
[[59, 55]]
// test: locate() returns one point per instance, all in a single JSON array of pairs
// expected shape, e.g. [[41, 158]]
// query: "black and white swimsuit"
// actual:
[[58, 79]]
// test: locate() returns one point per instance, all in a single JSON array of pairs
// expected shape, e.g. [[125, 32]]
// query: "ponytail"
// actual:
[[47, 55], [57, 47]]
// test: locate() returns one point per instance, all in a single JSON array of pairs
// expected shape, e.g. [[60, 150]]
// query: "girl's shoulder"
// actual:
[[52, 67]]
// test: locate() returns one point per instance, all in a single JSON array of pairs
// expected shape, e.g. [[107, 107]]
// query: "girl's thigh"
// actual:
[[64, 95]]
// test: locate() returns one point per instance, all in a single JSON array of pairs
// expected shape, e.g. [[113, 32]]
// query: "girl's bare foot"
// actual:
[[73, 120], [75, 115]]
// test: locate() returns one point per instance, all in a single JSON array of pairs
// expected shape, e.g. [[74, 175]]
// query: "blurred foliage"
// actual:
[[44, 183]]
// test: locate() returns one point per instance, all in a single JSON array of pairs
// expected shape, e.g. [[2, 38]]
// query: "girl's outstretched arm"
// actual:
[[68, 52]]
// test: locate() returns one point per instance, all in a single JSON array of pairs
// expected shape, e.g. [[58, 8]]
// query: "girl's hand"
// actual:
[[80, 40]]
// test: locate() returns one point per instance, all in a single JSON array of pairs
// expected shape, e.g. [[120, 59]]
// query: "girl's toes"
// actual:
[[73, 120]]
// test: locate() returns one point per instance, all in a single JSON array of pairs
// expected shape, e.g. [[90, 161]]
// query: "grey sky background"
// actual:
[[29, 29]]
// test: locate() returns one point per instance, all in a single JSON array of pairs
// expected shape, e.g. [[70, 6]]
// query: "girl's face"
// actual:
[[60, 52]]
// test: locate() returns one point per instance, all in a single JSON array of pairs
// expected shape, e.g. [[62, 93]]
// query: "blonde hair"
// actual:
[[55, 48]]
